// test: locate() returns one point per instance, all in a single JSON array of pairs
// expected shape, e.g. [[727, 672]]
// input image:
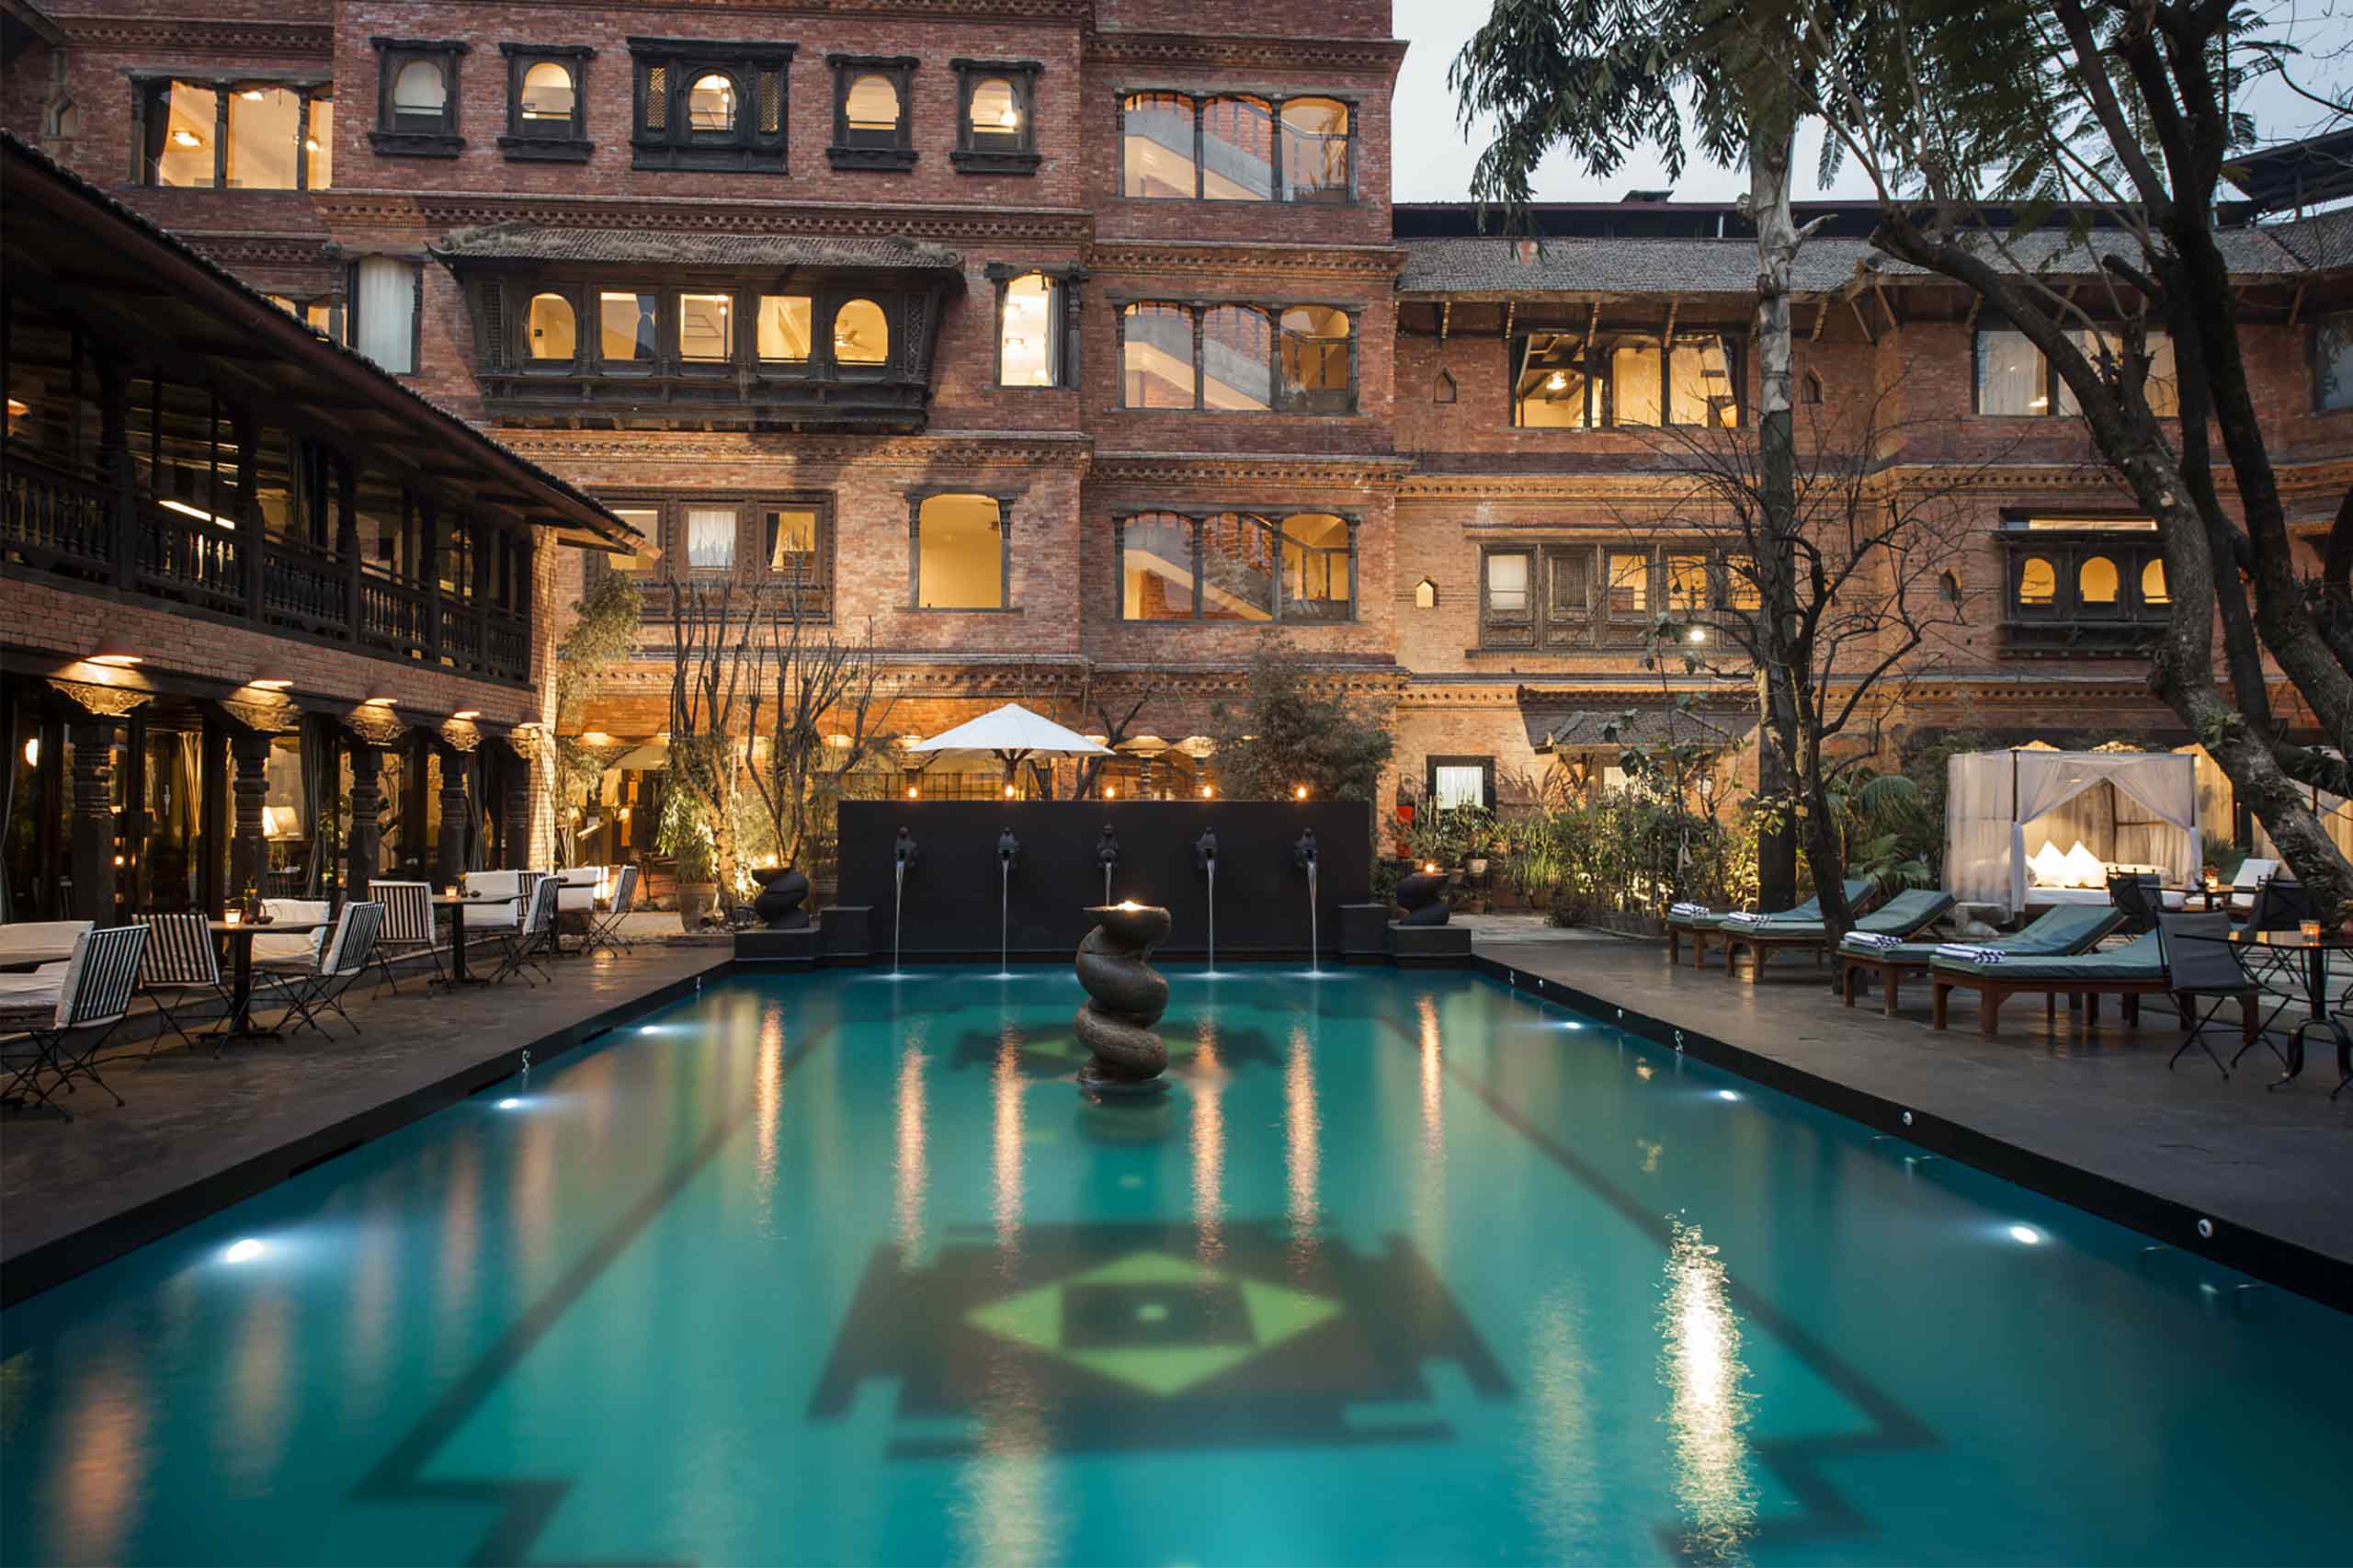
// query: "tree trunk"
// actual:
[[1776, 245]]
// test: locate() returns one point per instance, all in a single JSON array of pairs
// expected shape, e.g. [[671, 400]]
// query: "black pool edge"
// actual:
[[2325, 1279], [52, 1263]]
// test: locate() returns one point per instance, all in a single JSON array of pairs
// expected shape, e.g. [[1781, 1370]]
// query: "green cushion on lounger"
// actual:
[[1907, 912], [2058, 931], [2137, 960], [1809, 910]]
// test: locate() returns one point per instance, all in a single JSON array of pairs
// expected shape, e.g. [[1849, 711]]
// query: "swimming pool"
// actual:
[[1403, 1269]]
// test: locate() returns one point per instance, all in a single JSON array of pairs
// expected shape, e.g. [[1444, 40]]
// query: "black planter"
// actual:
[[782, 892]]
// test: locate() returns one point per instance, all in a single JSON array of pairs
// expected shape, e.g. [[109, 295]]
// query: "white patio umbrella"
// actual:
[[1013, 734]]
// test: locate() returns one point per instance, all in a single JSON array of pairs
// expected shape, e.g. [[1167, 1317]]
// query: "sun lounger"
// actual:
[[2131, 972], [2055, 932], [1696, 925], [1904, 916]]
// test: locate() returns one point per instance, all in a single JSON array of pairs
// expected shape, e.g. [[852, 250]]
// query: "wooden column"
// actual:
[[91, 852], [449, 851], [517, 828], [367, 807], [248, 845], [116, 470]]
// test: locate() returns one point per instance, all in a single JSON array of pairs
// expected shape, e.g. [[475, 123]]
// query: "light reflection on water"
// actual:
[[1564, 1460], [1708, 1402], [909, 1161], [1005, 1090], [1208, 1145], [1301, 1158], [103, 1473], [1430, 1190]]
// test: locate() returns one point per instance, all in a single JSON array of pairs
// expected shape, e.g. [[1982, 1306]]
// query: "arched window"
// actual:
[[1156, 576], [862, 334], [2095, 581], [548, 95], [1442, 389], [871, 108], [1157, 147], [1316, 360], [1237, 359], [2037, 581], [996, 111], [1156, 356], [1028, 332], [2153, 585], [710, 103], [555, 330], [1315, 150], [419, 87], [1237, 149]]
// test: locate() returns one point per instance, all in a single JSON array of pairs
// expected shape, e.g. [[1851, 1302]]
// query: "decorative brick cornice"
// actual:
[[1366, 263], [966, 226], [1227, 51], [201, 35], [977, 449], [1371, 471], [241, 253]]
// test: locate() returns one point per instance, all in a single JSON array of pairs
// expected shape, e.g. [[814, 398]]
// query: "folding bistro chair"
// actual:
[[605, 927], [2139, 897], [408, 928], [522, 943], [94, 994], [310, 987], [2201, 962], [182, 964]]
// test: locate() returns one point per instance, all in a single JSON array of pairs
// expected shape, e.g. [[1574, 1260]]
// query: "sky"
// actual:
[[1432, 161]]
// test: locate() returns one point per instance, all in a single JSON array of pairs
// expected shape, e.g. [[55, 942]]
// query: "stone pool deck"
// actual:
[[200, 1133], [2091, 1117]]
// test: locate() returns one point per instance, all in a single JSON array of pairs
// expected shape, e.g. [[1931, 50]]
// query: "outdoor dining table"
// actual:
[[239, 1023], [457, 904], [2310, 959]]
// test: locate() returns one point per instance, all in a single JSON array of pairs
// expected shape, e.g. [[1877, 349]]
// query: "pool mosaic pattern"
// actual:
[[1402, 1269]]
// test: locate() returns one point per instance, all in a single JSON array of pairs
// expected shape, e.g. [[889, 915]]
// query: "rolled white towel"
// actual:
[[1743, 917], [1968, 953], [1686, 909], [1873, 941]]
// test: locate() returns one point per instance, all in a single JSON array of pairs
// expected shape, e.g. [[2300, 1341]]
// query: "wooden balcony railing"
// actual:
[[82, 532]]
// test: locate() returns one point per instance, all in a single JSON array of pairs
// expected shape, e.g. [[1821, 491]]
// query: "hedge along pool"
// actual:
[[1403, 1269]]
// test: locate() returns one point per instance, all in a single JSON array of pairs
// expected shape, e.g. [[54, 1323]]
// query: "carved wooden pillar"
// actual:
[[449, 851], [248, 844], [366, 808], [517, 827], [91, 853]]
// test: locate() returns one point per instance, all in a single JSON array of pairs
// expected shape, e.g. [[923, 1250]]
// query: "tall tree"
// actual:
[[1599, 77], [2060, 159]]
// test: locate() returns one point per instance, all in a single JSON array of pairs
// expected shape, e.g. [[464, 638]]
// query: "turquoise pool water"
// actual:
[[1402, 1270]]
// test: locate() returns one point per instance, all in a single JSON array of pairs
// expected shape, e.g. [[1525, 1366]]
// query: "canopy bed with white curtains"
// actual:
[[2035, 827]]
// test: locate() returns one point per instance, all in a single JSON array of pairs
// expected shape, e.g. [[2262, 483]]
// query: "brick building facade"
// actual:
[[1075, 348]]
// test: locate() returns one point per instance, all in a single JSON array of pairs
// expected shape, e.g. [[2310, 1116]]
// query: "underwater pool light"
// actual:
[[1727, 1093], [510, 1103], [244, 1251], [2025, 1235]]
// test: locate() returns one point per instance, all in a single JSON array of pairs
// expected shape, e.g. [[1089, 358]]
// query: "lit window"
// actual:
[[1741, 591], [871, 107], [318, 146], [861, 334], [710, 103], [1507, 584], [2095, 583], [1699, 383], [784, 326], [547, 94], [180, 128], [1316, 360], [1315, 150], [1156, 147], [1630, 582], [995, 110], [646, 520], [2012, 376], [1029, 346], [706, 330], [2037, 581], [1237, 149], [996, 130], [1238, 568], [1237, 358], [1156, 567], [1318, 576], [1686, 583], [627, 327], [417, 97], [385, 307], [2153, 584], [960, 553], [555, 330], [1455, 784], [264, 144], [1426, 595], [710, 539], [1634, 369], [1156, 356], [1549, 387], [791, 542]]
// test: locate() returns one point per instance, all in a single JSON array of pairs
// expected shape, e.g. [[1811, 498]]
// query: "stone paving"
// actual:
[[2099, 1100]]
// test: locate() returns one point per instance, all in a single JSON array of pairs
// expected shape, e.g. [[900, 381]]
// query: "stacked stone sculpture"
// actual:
[[783, 890], [1125, 997], [1422, 897]]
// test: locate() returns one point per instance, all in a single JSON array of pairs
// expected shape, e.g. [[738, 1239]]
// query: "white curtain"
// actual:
[[2165, 783], [387, 308], [1978, 823]]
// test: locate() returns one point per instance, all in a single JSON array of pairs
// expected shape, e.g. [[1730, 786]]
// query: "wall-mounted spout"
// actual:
[[1303, 854], [1107, 855], [904, 850], [1205, 850], [1008, 849]]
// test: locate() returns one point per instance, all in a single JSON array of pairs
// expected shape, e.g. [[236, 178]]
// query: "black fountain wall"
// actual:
[[951, 895]]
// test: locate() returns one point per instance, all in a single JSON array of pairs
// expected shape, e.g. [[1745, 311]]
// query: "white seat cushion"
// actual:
[[493, 884], [39, 937], [582, 886], [295, 946]]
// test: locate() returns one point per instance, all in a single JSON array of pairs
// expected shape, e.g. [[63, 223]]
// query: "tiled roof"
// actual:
[[525, 241], [2324, 241], [1491, 267]]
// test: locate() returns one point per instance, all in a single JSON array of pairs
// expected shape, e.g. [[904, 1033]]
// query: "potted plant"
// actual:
[[698, 880]]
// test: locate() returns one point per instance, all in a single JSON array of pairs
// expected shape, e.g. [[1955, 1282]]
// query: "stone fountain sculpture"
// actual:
[[1422, 897], [1125, 997], [783, 890]]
